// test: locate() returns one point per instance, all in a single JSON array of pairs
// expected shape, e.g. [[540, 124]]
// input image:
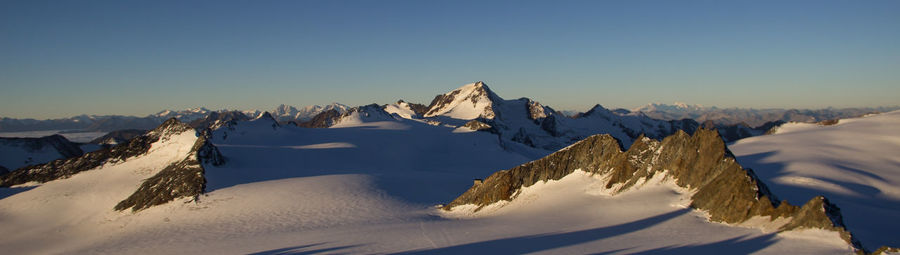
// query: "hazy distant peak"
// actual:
[[677, 106]]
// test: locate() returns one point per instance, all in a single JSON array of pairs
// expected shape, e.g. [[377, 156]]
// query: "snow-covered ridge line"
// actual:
[[700, 163], [167, 185]]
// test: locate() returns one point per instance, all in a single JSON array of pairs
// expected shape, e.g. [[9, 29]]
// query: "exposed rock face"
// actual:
[[64, 168], [478, 126], [322, 120], [535, 111], [828, 122], [118, 136], [886, 250], [701, 163], [182, 179]]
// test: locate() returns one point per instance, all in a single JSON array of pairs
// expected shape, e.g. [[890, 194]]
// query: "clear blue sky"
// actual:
[[63, 58]]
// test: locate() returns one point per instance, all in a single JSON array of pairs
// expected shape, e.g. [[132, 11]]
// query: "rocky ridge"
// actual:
[[180, 179], [63, 168], [700, 163]]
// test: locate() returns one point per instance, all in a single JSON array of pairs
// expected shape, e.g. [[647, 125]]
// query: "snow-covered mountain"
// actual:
[[371, 181], [677, 107], [406, 110], [285, 113], [186, 116], [367, 187], [528, 122], [471, 101], [20, 152]]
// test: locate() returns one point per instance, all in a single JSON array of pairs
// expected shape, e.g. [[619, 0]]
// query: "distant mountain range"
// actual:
[[720, 117], [108, 123], [747, 116]]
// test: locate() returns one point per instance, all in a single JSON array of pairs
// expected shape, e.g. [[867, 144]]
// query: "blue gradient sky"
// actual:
[[63, 58]]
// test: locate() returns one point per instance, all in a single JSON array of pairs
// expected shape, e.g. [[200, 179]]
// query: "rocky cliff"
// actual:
[[700, 163]]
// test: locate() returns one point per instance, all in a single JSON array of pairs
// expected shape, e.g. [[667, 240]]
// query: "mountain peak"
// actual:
[[170, 126], [471, 101]]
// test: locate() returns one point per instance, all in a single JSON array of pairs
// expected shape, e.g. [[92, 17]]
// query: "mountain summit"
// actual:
[[471, 101]]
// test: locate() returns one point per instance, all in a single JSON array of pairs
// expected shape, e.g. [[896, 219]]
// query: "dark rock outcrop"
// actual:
[[322, 120], [701, 163], [64, 168], [536, 111], [828, 122], [478, 126], [3, 170]]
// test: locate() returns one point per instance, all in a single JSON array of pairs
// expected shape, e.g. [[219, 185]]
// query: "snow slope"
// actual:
[[855, 163], [63, 215]]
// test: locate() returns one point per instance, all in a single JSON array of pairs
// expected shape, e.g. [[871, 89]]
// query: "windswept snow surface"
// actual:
[[367, 188], [854, 163]]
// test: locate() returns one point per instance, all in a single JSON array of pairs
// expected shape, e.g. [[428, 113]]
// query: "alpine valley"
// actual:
[[471, 172]]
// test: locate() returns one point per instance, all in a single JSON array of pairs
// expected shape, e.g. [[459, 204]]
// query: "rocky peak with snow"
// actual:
[[471, 101], [287, 113], [700, 163], [324, 119], [286, 110], [365, 113], [185, 178], [186, 115]]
